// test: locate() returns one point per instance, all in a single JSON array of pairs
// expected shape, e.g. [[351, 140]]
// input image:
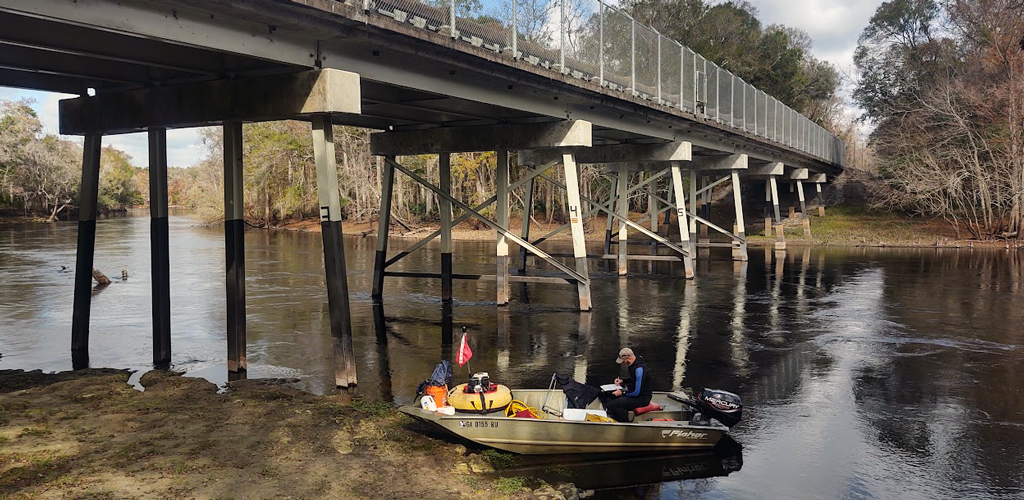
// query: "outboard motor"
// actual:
[[723, 406]]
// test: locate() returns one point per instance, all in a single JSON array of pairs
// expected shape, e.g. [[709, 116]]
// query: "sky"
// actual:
[[834, 26]]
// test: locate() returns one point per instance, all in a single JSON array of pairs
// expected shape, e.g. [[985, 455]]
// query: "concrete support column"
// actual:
[[792, 206], [444, 161], [705, 209], [767, 208], [804, 216], [87, 207], [160, 265], [739, 249], [525, 231], [608, 221], [820, 200], [334, 250], [623, 210], [780, 234], [501, 210], [652, 210], [693, 210], [234, 246], [668, 213], [387, 190], [579, 246], [684, 233]]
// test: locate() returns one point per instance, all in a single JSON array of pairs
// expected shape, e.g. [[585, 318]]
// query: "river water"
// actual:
[[866, 373]]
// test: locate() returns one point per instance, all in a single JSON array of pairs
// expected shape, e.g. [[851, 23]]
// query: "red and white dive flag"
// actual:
[[464, 351]]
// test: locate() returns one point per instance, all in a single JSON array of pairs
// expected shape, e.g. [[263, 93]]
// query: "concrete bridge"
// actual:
[[602, 89]]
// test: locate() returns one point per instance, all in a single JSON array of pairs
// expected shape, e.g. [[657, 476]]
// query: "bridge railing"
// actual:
[[597, 42]]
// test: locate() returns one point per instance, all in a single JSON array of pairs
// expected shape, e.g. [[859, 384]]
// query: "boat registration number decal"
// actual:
[[471, 424], [683, 434]]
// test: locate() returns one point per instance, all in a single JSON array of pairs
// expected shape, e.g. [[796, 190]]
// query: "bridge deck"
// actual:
[[413, 77]]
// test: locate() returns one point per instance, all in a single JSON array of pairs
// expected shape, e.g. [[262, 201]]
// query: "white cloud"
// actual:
[[184, 147], [833, 25]]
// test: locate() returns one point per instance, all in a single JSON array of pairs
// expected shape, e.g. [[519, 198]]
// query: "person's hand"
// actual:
[[618, 381], [617, 393]]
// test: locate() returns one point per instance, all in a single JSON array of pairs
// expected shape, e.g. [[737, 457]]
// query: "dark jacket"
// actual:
[[639, 382]]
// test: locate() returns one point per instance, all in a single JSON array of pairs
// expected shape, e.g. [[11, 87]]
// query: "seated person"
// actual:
[[636, 390]]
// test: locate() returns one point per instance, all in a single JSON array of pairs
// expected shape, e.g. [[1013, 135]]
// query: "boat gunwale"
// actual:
[[438, 418]]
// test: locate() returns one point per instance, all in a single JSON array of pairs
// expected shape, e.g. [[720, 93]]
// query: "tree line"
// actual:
[[40, 174], [943, 83]]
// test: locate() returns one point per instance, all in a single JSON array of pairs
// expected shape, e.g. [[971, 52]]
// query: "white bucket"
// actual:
[[581, 414], [427, 403]]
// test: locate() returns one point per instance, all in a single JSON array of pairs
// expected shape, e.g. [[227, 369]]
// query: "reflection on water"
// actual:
[[867, 373], [633, 475]]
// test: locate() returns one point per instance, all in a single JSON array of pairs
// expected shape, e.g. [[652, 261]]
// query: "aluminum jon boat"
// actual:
[[672, 428]]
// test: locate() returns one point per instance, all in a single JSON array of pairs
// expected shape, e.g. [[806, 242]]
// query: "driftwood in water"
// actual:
[[100, 278]]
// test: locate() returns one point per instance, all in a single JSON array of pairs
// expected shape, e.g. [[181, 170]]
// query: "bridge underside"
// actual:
[[154, 65]]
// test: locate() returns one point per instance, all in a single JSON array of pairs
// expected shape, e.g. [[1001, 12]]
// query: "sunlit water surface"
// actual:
[[865, 373]]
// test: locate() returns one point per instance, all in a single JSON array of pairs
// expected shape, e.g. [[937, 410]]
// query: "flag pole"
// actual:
[[469, 371]]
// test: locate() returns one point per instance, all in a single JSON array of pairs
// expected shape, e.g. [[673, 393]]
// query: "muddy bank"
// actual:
[[90, 435]]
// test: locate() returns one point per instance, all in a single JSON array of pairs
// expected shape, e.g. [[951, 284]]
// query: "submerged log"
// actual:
[[100, 278]]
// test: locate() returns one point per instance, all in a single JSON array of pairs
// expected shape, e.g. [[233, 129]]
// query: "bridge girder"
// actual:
[[291, 96]]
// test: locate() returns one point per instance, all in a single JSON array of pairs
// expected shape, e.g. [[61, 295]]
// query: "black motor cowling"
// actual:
[[723, 406]]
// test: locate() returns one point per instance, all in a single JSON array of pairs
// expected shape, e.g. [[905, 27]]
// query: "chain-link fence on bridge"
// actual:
[[593, 41]]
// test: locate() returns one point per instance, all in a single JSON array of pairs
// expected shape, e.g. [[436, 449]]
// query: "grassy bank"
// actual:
[[861, 226], [88, 435]]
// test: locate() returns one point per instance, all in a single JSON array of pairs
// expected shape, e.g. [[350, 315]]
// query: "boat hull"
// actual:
[[556, 436]]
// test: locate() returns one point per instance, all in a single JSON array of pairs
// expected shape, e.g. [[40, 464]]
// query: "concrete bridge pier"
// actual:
[[527, 214], [693, 211], [704, 210], [160, 268], [383, 228], [556, 137], [820, 200], [623, 162], [501, 213], [87, 208], [444, 162], [715, 170], [739, 247], [816, 199], [311, 95], [791, 199], [780, 233], [804, 217], [234, 246], [622, 209], [653, 213], [796, 177], [334, 250]]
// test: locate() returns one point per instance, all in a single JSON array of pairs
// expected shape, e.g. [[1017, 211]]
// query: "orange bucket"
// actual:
[[439, 393]]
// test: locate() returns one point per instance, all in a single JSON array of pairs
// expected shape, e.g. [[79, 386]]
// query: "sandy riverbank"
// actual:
[[89, 435]]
